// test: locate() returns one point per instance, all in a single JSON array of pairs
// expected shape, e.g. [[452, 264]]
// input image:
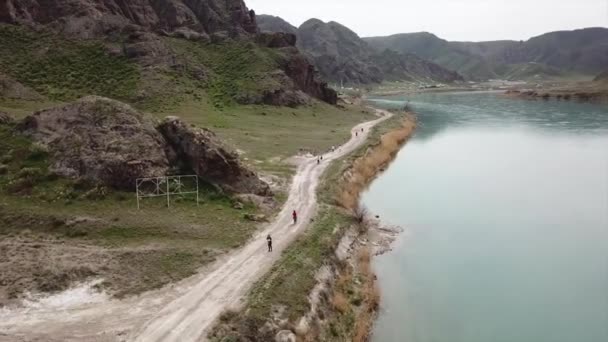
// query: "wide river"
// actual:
[[504, 203]]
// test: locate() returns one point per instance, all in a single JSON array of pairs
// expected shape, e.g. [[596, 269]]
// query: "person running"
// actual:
[[269, 240], [295, 217]]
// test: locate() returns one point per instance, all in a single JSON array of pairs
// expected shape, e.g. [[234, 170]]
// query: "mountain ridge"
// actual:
[[582, 51]]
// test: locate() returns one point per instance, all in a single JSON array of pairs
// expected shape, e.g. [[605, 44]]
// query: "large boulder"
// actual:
[[202, 152], [100, 140]]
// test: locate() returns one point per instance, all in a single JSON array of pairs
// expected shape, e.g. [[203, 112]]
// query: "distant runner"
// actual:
[[269, 239], [295, 217]]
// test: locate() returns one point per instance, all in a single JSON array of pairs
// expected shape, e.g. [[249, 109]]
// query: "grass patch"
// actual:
[[234, 68], [63, 69], [267, 132]]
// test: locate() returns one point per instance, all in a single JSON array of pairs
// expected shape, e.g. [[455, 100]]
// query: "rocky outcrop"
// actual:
[[303, 74], [9, 88], [201, 151], [5, 118], [100, 140], [276, 39], [93, 18]]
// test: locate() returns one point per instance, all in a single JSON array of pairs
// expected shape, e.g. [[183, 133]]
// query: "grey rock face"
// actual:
[[100, 140], [202, 152]]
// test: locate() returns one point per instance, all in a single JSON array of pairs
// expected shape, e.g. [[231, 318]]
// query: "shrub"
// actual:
[[339, 302]]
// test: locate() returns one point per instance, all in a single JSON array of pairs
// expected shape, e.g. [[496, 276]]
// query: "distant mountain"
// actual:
[[270, 23], [555, 54], [341, 56]]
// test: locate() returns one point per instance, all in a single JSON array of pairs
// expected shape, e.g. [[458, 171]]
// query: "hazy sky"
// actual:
[[470, 20]]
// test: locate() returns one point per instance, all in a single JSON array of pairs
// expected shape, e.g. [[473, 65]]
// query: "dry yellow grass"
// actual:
[[367, 167], [371, 297], [339, 302]]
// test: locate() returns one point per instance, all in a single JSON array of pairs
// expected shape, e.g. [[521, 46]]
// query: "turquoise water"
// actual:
[[505, 209]]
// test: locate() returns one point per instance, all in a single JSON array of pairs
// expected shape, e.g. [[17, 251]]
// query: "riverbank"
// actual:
[[323, 288], [591, 91], [355, 289]]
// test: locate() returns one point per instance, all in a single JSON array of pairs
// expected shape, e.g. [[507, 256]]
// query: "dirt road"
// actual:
[[185, 311]]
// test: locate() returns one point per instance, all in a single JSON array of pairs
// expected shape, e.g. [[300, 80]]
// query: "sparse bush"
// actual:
[[339, 302], [228, 315], [37, 152], [30, 173]]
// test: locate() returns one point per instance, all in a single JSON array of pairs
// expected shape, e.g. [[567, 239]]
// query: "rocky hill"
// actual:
[[555, 54], [342, 57], [161, 49]]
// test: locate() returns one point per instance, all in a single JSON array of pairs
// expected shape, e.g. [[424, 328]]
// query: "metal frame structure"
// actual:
[[163, 187]]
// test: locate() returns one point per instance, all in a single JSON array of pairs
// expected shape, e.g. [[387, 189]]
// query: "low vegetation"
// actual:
[[61, 69]]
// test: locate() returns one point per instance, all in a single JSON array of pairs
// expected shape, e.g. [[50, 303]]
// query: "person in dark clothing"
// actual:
[[295, 217], [269, 239]]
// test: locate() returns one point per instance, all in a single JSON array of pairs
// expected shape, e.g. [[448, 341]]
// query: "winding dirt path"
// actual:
[[186, 310]]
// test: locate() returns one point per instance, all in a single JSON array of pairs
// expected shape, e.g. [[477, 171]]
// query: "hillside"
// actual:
[[152, 53], [558, 54], [343, 57]]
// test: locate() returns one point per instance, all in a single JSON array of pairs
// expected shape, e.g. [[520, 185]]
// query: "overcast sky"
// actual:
[[465, 20]]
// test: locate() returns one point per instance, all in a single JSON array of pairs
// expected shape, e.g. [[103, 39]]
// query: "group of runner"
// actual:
[[294, 214]]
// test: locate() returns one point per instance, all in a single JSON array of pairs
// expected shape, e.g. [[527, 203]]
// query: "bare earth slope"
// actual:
[[183, 312]]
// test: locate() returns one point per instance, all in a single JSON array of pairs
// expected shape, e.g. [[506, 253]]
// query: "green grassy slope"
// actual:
[[62, 69]]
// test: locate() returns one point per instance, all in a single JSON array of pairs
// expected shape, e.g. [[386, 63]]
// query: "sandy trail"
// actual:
[[184, 311]]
